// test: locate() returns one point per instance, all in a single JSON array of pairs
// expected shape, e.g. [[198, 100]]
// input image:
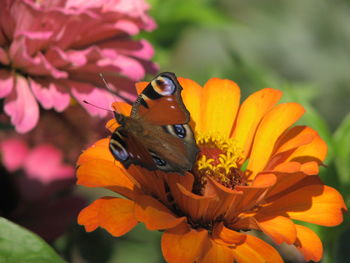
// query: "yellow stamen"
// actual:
[[218, 158]]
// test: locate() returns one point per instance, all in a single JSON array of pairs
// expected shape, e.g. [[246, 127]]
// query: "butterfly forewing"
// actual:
[[161, 106]]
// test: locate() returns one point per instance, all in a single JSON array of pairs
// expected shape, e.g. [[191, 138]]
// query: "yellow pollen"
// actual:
[[218, 158]]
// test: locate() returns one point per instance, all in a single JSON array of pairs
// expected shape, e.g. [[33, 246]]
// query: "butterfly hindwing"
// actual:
[[125, 147]]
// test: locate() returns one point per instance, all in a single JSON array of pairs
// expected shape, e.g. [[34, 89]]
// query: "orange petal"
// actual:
[[255, 250], [184, 244], [227, 200], [116, 215], [309, 244], [285, 181], [185, 180], [196, 206], [220, 101], [250, 114], [154, 214], [264, 180], [140, 86], [191, 96], [280, 229], [271, 127], [122, 107], [295, 137], [224, 234], [286, 167], [314, 151], [245, 222], [326, 209], [310, 167], [299, 145], [292, 167], [102, 173], [309, 201], [255, 193], [151, 182], [217, 254], [99, 150]]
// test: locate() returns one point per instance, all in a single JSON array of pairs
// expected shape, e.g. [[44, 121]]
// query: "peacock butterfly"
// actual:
[[156, 135]]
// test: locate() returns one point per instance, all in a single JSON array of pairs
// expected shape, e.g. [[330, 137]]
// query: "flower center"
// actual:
[[218, 158]]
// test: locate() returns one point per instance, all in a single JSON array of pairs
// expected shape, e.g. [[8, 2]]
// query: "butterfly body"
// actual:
[[156, 135]]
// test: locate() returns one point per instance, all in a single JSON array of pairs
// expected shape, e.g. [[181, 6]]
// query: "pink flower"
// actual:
[[53, 50], [34, 188], [43, 163]]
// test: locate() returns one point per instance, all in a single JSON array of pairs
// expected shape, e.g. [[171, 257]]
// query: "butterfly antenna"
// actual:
[[117, 116], [98, 107], [104, 81], [117, 93]]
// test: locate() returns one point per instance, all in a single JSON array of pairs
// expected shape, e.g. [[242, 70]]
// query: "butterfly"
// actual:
[[156, 135]]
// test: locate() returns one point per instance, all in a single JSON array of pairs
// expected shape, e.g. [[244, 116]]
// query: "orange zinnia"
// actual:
[[254, 171]]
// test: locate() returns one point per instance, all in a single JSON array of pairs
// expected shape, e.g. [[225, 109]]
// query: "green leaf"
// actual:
[[20, 245], [342, 149]]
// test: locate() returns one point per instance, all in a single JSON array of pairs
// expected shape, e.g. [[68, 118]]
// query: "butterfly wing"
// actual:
[[125, 147], [128, 149], [157, 134], [160, 103]]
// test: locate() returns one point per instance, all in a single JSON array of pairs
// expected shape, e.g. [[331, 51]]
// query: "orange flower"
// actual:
[[254, 171]]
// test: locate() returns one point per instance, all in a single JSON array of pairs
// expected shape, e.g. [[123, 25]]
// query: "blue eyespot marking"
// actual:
[[179, 130]]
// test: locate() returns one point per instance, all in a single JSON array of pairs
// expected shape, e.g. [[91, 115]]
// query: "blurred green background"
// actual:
[[301, 47]]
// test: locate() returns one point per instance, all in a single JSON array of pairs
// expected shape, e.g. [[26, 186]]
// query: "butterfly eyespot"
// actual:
[[163, 86], [119, 152], [158, 161], [116, 147], [179, 130]]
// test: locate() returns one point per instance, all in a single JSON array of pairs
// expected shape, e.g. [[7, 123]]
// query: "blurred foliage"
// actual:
[[20, 245]]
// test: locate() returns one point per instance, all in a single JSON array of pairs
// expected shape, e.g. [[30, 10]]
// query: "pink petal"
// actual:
[[140, 49], [150, 24], [29, 13], [104, 30], [127, 66], [6, 83], [37, 65], [68, 29], [21, 106], [44, 164], [7, 22], [96, 96], [37, 40], [2, 37], [56, 39], [57, 57], [116, 83], [51, 94], [4, 59], [79, 58], [14, 152], [127, 26]]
